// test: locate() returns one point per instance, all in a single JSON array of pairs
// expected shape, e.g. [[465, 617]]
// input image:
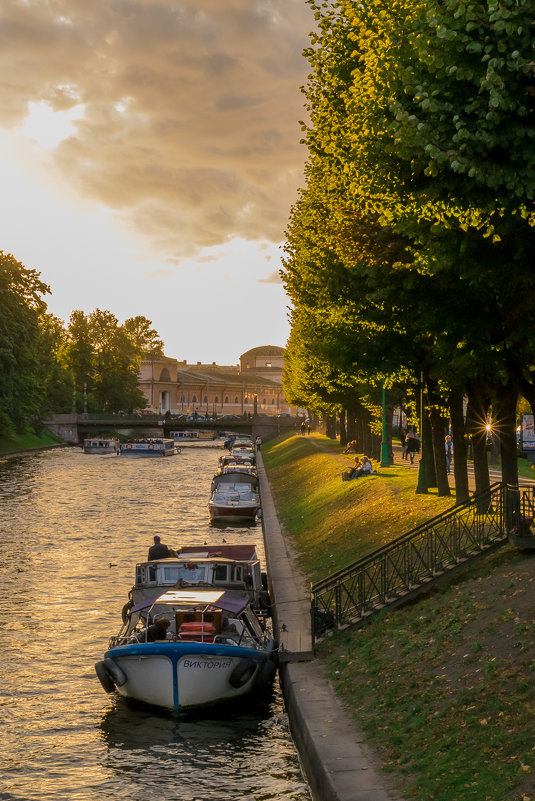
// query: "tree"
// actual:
[[21, 304], [145, 339]]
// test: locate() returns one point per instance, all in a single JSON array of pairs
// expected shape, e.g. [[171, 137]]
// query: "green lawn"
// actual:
[[443, 688]]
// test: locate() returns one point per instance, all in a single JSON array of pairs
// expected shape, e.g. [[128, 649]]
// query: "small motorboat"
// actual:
[[235, 497], [149, 446], [104, 446], [211, 648]]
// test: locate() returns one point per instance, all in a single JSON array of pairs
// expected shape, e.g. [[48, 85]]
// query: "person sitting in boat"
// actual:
[[156, 631], [159, 550]]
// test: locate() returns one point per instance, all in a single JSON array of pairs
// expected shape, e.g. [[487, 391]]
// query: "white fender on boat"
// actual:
[[242, 673]]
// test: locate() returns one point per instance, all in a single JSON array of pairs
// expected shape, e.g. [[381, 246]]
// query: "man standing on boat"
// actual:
[[159, 550]]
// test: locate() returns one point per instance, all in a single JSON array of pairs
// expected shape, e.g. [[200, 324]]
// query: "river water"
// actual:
[[72, 527]]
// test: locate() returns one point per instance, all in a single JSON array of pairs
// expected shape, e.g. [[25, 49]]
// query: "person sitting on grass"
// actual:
[[363, 467], [353, 471], [351, 447], [366, 467]]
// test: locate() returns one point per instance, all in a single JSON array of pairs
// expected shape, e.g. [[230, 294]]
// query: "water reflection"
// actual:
[[72, 527]]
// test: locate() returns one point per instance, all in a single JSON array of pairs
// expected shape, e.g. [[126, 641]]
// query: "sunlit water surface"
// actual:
[[72, 527]]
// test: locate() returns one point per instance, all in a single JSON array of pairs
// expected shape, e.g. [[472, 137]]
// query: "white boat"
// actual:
[[235, 460], [215, 650], [149, 446], [103, 446], [235, 497], [233, 567], [193, 436]]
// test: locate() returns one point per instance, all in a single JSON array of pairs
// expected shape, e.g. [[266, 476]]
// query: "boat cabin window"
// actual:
[[191, 575], [221, 573]]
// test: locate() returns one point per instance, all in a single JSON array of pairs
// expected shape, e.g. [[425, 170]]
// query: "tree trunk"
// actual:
[[438, 425], [507, 398], [460, 468], [476, 418], [343, 432], [331, 426], [351, 424]]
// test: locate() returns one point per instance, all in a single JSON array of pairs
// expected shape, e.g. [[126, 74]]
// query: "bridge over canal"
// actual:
[[74, 428]]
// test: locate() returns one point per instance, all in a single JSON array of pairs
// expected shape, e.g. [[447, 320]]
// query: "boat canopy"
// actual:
[[233, 478], [227, 601]]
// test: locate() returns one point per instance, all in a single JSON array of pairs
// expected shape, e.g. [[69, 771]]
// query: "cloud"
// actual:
[[272, 278], [189, 129]]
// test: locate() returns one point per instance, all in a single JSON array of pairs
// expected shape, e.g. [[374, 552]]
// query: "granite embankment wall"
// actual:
[[337, 763]]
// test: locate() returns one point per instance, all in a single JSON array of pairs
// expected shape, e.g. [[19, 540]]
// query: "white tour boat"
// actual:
[[149, 446], [104, 446]]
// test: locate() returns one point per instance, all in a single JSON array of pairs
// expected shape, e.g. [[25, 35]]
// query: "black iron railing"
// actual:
[[410, 561]]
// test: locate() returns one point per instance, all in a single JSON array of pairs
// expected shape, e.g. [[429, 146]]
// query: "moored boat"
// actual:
[[105, 446], [214, 650], [233, 567], [235, 497], [149, 446]]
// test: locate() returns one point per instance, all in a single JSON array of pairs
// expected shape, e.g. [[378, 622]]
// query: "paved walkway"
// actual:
[[494, 473], [337, 763]]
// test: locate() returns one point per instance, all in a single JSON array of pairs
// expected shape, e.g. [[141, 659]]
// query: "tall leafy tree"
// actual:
[[21, 304]]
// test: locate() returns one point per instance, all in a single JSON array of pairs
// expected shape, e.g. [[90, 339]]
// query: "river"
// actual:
[[72, 527]]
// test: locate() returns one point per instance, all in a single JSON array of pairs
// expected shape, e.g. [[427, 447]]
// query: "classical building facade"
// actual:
[[214, 390]]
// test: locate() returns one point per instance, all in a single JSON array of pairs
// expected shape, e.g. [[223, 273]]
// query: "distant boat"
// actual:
[[193, 436], [157, 446], [102, 446]]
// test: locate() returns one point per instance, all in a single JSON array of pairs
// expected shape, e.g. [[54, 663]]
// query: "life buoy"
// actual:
[[242, 673], [151, 446], [104, 677], [129, 446]]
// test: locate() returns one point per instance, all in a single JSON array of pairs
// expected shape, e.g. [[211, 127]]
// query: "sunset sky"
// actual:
[[149, 157]]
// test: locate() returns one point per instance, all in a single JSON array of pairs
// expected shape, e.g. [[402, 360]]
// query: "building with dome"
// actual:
[[215, 390]]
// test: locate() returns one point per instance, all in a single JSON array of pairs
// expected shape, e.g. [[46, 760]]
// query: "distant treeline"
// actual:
[[49, 367]]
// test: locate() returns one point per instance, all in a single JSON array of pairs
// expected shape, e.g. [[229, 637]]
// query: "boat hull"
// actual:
[[233, 512], [150, 452], [181, 676]]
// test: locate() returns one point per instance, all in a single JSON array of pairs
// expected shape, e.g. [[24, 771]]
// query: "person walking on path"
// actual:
[[412, 444], [448, 445]]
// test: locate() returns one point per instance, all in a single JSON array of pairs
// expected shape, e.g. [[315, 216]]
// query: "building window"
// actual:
[[264, 402], [226, 398], [216, 399], [273, 401], [246, 400], [182, 399], [236, 399], [205, 399], [268, 364], [194, 399]]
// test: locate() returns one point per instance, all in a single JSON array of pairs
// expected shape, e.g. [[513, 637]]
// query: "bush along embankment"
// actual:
[[442, 688], [17, 443]]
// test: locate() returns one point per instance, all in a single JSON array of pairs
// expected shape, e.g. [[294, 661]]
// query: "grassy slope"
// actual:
[[443, 688], [24, 442]]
